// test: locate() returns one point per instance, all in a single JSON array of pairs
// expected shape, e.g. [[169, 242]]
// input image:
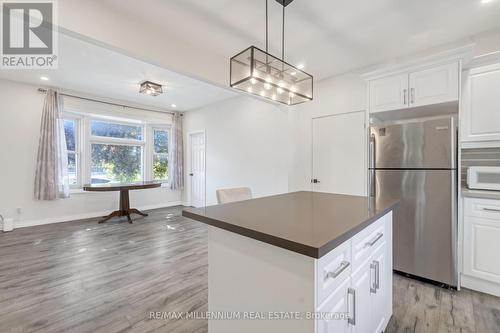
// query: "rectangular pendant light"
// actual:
[[257, 72]]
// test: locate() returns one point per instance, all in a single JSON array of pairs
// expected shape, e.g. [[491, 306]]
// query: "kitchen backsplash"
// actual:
[[479, 157]]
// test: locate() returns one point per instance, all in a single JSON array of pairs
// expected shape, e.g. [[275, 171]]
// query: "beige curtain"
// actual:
[[51, 175], [176, 158]]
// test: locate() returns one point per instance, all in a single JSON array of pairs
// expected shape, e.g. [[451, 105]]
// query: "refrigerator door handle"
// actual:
[[372, 151], [371, 176], [372, 183]]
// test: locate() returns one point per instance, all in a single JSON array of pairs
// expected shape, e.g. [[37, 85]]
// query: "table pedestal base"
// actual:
[[125, 209]]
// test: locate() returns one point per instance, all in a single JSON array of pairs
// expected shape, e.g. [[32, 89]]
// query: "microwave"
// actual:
[[483, 178]]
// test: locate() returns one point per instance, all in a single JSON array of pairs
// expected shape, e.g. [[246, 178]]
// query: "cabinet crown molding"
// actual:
[[464, 54], [484, 60]]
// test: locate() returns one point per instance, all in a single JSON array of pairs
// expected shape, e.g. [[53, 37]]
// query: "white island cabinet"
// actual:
[[299, 262]]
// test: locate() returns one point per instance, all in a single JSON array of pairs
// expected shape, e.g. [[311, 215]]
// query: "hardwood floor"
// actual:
[[84, 277], [422, 308]]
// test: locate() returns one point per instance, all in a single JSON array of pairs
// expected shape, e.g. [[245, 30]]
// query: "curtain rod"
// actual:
[[43, 90]]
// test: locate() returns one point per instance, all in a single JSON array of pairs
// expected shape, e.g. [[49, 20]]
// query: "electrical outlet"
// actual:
[[19, 210]]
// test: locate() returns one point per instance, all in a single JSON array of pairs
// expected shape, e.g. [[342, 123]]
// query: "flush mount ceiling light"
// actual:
[[151, 88], [257, 72]]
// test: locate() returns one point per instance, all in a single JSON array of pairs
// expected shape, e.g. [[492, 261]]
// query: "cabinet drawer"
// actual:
[[368, 240], [333, 269], [485, 208]]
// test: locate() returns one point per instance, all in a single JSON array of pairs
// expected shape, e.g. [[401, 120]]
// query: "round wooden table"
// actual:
[[124, 189]]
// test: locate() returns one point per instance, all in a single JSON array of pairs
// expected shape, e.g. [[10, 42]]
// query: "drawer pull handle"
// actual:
[[351, 319], [492, 210], [374, 240], [375, 285], [343, 266]]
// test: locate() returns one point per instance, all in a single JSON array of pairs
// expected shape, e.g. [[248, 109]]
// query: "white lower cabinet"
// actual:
[[381, 293], [481, 261], [365, 294], [332, 312], [362, 301]]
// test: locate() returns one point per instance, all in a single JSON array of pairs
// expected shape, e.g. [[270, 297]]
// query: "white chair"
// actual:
[[233, 194]]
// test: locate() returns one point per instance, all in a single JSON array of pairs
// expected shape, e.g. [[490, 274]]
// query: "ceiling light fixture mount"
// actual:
[[151, 88], [257, 71]]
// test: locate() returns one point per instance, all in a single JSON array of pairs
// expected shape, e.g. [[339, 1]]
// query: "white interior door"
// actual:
[[197, 168], [339, 154]]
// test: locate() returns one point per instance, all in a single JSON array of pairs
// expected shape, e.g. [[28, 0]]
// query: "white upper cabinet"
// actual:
[[419, 87], [434, 85], [481, 109], [389, 93]]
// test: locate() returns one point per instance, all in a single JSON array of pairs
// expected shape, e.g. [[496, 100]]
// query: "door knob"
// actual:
[[315, 181], [191, 174]]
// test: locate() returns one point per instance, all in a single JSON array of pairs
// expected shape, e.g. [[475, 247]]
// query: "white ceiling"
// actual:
[[328, 36], [95, 70]]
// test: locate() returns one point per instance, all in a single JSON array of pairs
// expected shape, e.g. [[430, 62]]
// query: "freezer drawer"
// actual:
[[425, 225], [424, 144]]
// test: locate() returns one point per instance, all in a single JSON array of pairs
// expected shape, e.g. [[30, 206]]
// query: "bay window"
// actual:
[[115, 150]]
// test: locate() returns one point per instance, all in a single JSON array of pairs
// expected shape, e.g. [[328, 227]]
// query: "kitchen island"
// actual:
[[299, 262]]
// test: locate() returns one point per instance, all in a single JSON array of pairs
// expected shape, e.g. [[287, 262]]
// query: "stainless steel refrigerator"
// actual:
[[416, 162]]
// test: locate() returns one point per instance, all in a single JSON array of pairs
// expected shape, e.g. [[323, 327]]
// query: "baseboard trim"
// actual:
[[67, 218], [481, 285]]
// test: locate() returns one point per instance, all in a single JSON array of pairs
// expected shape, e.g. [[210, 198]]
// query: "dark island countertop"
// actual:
[[309, 223]]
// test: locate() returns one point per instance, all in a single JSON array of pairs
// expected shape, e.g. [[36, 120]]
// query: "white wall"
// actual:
[[20, 114], [247, 144]]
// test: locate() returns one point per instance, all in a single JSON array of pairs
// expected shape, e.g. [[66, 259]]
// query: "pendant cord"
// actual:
[[267, 29], [283, 36]]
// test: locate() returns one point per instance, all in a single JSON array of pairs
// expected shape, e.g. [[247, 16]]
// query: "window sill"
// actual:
[[77, 191], [81, 191]]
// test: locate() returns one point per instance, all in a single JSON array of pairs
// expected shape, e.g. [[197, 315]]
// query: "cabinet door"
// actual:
[[380, 291], [434, 85], [389, 93], [481, 248], [337, 304], [361, 307], [481, 111]]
